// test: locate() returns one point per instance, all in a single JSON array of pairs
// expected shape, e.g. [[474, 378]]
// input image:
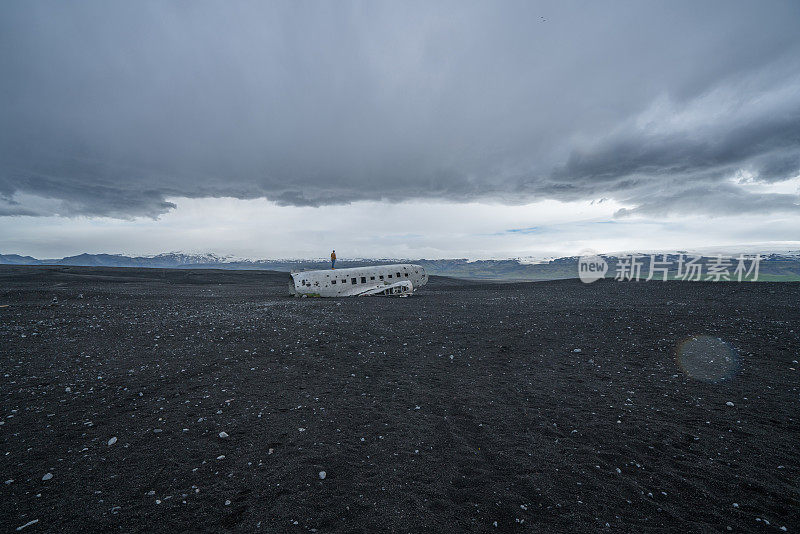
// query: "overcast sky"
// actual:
[[435, 129]]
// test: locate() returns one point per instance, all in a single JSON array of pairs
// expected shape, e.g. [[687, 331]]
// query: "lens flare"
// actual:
[[707, 358]]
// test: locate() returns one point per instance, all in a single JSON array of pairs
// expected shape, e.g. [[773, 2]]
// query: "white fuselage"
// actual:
[[357, 280]]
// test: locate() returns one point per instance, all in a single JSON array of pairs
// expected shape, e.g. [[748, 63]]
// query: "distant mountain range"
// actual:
[[172, 260], [773, 267]]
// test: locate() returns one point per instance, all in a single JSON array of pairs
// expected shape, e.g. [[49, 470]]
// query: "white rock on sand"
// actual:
[[29, 523]]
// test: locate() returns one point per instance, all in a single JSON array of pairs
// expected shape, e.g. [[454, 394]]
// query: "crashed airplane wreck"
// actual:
[[399, 280]]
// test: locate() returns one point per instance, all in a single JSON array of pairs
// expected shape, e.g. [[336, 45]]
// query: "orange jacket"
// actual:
[[333, 255]]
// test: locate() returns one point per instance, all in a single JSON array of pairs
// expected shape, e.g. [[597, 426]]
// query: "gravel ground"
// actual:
[[146, 400]]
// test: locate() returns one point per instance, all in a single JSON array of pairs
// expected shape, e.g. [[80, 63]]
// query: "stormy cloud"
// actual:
[[112, 108]]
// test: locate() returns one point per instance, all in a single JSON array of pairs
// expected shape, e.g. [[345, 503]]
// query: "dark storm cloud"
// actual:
[[692, 169], [112, 108]]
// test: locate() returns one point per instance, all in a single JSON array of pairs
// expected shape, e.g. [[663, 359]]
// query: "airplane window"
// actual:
[[353, 280], [344, 281], [372, 278], [333, 281], [406, 275], [381, 277], [363, 279], [390, 276]]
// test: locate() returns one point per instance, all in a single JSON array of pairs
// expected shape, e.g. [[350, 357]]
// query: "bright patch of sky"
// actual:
[[262, 229]]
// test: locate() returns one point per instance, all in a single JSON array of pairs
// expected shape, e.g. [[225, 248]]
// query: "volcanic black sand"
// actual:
[[538, 407]]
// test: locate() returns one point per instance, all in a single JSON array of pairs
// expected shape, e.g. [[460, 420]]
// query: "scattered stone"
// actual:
[[221, 457], [223, 434], [322, 475], [29, 523], [729, 403], [576, 350], [112, 441], [47, 476], [227, 503]]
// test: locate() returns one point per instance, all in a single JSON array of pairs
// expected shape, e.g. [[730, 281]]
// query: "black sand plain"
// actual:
[[463, 408]]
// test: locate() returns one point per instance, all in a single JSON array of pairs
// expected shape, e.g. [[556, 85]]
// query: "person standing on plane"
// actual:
[[333, 259]]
